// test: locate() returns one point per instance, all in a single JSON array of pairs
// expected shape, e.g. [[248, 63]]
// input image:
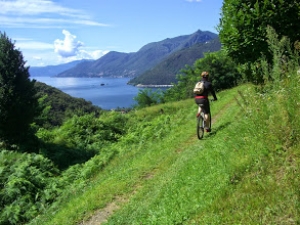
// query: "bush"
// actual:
[[80, 138], [28, 186]]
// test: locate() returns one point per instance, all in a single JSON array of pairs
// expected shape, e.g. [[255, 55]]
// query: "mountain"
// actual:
[[165, 72], [49, 71], [117, 64]]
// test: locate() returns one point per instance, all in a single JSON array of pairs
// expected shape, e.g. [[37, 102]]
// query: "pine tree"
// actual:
[[18, 101]]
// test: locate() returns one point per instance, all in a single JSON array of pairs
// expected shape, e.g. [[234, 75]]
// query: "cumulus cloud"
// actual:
[[98, 53], [67, 47], [71, 48], [82, 54]]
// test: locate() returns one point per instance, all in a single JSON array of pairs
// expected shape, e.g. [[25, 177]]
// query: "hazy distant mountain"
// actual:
[[117, 64], [165, 72], [49, 71]]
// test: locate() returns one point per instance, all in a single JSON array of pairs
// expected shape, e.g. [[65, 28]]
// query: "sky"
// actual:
[[52, 32]]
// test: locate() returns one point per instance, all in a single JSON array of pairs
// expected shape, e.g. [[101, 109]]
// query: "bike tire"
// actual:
[[200, 126]]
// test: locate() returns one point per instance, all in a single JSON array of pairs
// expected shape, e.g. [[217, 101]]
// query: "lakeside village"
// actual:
[[150, 85], [153, 85]]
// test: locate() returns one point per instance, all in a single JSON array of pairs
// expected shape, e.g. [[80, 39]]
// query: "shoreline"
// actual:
[[153, 85]]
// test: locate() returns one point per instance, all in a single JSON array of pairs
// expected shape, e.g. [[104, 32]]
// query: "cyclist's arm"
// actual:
[[212, 91]]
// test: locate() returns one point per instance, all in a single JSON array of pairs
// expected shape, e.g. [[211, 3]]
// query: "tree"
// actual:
[[18, 101], [243, 24], [183, 89], [222, 69], [223, 75], [147, 97]]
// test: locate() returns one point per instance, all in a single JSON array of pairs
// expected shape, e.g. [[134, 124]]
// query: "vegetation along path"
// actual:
[[163, 174], [102, 215]]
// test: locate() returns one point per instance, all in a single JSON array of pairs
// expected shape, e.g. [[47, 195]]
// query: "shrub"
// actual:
[[28, 186]]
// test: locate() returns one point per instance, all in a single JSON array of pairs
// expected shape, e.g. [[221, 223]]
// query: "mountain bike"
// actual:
[[201, 123]]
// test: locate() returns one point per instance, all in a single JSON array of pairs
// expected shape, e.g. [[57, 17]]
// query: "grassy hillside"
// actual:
[[244, 172]]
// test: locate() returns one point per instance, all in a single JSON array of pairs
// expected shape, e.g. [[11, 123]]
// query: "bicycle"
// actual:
[[201, 123]]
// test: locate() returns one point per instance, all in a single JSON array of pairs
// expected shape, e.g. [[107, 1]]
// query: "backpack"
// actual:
[[199, 88]]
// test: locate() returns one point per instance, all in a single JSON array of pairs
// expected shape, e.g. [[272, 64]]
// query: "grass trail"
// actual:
[[193, 143]]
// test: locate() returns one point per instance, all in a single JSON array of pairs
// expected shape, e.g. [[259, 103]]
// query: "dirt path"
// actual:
[[102, 215]]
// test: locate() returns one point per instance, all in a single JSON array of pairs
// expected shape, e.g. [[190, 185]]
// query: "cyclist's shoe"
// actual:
[[207, 129], [198, 114]]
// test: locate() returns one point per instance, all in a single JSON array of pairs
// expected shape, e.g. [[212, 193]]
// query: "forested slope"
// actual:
[[61, 105]]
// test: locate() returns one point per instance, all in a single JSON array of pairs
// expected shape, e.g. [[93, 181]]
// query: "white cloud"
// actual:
[[71, 48], [34, 7], [67, 47], [41, 14], [38, 53], [30, 22], [33, 45], [83, 54], [98, 53]]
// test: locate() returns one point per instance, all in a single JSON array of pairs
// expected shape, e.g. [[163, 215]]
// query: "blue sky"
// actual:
[[51, 32]]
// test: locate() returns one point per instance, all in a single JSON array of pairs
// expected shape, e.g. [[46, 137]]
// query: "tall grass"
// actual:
[[266, 190]]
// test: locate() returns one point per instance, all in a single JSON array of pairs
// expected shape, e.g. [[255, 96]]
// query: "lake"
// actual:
[[107, 93]]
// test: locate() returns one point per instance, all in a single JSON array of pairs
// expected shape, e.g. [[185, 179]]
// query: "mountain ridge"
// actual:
[[156, 63], [166, 71], [118, 64], [52, 70]]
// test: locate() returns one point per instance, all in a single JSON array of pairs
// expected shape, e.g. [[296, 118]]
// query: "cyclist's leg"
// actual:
[[207, 120], [207, 115], [199, 102], [199, 110]]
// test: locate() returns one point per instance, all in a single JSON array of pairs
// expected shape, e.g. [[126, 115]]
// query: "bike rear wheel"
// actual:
[[200, 126]]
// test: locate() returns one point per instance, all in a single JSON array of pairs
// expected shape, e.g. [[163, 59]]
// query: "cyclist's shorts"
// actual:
[[205, 102]]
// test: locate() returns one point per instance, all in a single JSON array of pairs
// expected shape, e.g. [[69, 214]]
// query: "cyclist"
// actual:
[[203, 99]]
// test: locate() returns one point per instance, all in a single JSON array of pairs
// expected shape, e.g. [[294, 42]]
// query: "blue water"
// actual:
[[112, 94]]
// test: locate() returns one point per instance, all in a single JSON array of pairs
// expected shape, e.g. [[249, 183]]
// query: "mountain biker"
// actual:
[[203, 99]]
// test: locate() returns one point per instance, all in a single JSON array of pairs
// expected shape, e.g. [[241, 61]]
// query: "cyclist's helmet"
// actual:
[[204, 74]]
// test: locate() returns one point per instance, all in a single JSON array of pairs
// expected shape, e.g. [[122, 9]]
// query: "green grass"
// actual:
[[163, 174]]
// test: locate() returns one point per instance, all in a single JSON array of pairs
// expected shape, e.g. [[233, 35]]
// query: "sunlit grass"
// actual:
[[163, 174]]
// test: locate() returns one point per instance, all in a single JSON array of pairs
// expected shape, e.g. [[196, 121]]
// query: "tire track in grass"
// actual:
[[103, 214]]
